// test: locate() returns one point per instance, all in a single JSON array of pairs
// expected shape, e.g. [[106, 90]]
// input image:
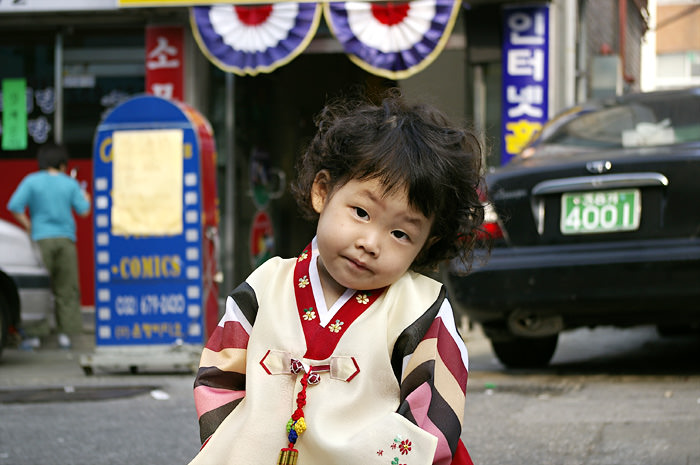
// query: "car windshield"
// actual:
[[651, 121]]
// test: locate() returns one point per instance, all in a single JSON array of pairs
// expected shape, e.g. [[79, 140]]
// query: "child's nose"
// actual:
[[369, 242]]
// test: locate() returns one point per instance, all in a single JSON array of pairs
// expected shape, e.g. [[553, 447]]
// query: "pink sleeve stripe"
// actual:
[[448, 319], [208, 398], [449, 352], [231, 335], [419, 402]]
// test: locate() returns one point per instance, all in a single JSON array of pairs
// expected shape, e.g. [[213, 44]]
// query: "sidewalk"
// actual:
[[51, 366], [46, 366]]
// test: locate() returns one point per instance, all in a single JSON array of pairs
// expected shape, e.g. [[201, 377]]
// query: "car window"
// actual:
[[650, 122]]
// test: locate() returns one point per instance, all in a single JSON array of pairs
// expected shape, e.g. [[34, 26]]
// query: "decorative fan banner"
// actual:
[[392, 39], [252, 39]]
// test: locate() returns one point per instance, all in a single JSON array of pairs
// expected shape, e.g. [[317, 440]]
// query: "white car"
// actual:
[[25, 292]]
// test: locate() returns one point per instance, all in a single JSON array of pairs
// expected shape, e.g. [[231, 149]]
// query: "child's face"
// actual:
[[365, 240]]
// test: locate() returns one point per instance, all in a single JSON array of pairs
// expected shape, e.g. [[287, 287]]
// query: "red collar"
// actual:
[[322, 340]]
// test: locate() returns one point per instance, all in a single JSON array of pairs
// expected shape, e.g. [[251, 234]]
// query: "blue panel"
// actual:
[[148, 289], [144, 110]]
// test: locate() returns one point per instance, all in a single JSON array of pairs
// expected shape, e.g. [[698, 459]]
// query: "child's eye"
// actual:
[[361, 213], [400, 235]]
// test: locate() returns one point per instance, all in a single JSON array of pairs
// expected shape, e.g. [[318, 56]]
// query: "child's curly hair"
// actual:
[[404, 146]]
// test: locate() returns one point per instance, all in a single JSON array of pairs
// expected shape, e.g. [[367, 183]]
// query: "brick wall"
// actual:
[[678, 28]]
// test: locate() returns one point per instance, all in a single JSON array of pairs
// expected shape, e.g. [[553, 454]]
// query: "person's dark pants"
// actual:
[[61, 259]]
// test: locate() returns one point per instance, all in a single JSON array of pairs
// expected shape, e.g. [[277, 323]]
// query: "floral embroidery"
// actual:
[[362, 298], [380, 452], [303, 282], [303, 256], [336, 327], [403, 445], [309, 314]]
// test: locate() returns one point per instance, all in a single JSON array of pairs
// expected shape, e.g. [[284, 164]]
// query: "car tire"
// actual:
[[4, 323], [522, 352]]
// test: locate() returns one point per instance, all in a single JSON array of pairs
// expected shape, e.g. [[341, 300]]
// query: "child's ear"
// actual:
[[428, 244], [319, 190], [426, 250]]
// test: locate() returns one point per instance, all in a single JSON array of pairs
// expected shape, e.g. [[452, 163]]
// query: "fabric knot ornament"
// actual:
[[314, 378], [297, 424], [296, 366]]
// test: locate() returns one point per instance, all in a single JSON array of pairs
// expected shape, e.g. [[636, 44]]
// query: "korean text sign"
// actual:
[[525, 76], [165, 61], [14, 114]]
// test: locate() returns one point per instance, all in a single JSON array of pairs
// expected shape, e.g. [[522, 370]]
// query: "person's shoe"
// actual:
[[30, 343], [63, 341]]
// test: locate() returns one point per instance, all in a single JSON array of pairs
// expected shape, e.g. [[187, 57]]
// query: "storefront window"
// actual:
[[29, 65], [100, 70]]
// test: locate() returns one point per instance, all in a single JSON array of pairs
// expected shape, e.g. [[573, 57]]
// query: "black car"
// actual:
[[597, 222]]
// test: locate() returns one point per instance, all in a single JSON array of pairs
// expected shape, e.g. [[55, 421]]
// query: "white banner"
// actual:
[[24, 6]]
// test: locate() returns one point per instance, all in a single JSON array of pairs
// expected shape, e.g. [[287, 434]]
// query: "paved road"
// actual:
[[610, 397], [156, 427]]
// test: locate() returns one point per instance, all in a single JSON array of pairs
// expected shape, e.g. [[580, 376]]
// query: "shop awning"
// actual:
[[390, 39], [252, 39]]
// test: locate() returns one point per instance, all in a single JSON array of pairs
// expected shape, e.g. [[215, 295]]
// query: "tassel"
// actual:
[[297, 424], [288, 456]]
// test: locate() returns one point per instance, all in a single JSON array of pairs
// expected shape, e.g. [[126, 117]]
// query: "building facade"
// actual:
[[677, 44], [80, 59]]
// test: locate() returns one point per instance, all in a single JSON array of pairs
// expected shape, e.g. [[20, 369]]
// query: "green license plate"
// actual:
[[600, 211]]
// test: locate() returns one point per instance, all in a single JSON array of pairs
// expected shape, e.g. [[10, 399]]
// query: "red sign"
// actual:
[[262, 239], [165, 61]]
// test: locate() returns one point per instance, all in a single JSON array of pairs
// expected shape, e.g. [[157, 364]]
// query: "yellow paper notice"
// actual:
[[147, 182]]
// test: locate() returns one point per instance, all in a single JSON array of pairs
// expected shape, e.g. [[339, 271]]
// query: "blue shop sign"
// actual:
[[525, 106], [148, 226]]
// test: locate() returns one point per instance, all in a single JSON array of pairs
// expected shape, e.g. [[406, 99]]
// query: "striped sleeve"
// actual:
[[431, 363], [220, 382]]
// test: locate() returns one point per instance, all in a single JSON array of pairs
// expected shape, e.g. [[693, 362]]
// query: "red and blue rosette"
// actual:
[[255, 38], [392, 39]]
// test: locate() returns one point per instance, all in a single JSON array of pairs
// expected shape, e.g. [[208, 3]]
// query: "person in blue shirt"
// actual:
[[50, 197]]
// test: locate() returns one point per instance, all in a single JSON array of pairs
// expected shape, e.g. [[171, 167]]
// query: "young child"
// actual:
[[345, 354]]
